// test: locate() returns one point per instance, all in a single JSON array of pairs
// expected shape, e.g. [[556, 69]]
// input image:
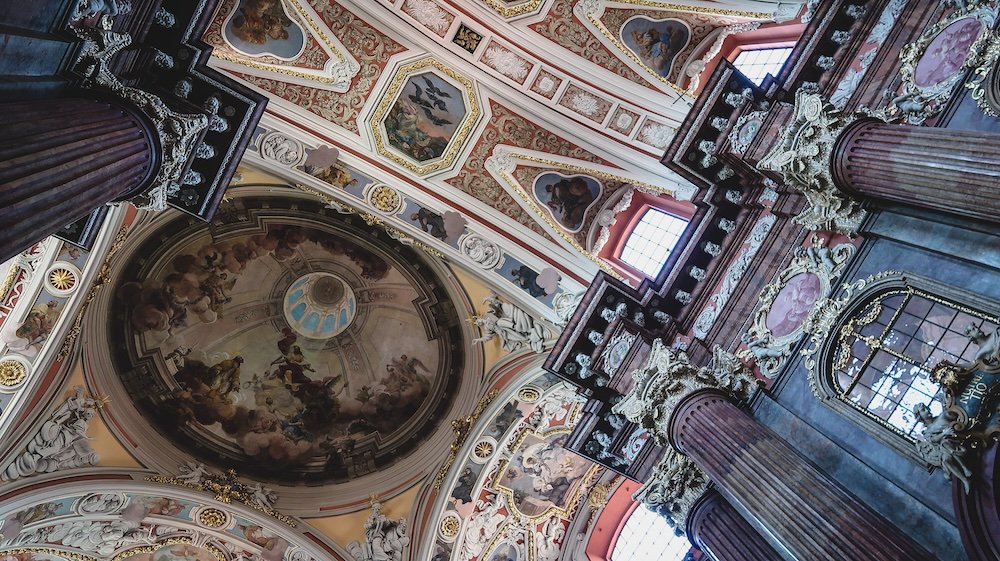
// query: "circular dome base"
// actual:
[[320, 305]]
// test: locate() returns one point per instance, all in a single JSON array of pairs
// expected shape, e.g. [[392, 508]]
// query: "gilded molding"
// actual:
[[502, 163], [455, 144], [227, 488], [802, 157], [103, 277], [462, 427], [824, 316]]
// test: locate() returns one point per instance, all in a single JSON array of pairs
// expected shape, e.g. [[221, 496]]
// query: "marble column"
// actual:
[[62, 158], [803, 513], [951, 171], [718, 530]]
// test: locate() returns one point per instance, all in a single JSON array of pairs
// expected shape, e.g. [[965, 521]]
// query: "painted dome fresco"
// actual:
[[285, 340]]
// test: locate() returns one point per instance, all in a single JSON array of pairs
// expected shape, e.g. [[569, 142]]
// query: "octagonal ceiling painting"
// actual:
[[425, 116], [294, 346]]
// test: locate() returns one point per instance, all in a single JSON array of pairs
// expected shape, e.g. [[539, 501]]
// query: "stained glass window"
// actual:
[[651, 241], [646, 536], [758, 63], [884, 356]]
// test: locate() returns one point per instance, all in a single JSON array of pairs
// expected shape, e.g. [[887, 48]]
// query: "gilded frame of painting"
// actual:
[[125, 554], [392, 93], [590, 13], [933, 97], [504, 161], [340, 68], [508, 494], [826, 263]]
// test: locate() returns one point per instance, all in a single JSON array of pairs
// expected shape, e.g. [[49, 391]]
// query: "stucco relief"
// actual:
[[507, 127], [790, 299]]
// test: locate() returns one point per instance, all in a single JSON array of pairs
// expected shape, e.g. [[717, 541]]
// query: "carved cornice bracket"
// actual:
[[802, 158], [178, 132]]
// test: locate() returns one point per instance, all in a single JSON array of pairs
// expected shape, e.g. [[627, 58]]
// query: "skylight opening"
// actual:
[[758, 63], [652, 240], [646, 536]]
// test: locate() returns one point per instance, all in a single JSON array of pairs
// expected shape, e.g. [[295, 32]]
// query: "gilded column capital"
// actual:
[[659, 386], [802, 156]]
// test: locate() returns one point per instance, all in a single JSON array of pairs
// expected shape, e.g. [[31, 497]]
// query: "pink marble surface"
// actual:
[[792, 304], [947, 52]]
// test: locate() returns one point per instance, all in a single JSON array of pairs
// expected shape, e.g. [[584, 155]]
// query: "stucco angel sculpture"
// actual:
[[384, 538], [940, 446], [512, 325]]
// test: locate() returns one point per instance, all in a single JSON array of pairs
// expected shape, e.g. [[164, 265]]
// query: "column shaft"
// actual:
[[804, 514], [940, 169], [718, 530], [62, 158]]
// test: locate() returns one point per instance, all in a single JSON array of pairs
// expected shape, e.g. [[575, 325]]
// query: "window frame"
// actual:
[[822, 372], [749, 47], [635, 220]]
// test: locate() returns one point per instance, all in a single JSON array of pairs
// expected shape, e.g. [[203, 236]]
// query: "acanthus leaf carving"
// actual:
[[802, 157]]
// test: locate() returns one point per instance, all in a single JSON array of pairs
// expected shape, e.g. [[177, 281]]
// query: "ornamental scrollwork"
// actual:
[[227, 488], [970, 416], [802, 157], [659, 386], [927, 88], [178, 132], [824, 317], [805, 282]]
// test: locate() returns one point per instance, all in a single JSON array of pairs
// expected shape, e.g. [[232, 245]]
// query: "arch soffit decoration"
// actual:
[[78, 515]]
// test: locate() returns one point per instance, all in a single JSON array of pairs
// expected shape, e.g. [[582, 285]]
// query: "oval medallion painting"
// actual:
[[792, 304], [286, 343], [655, 42], [567, 197], [263, 27], [946, 53]]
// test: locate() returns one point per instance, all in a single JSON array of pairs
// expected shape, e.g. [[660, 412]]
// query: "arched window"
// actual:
[[758, 63], [879, 355], [646, 536], [649, 244]]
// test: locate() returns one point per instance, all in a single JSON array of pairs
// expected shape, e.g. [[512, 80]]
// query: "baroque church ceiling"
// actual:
[[522, 122], [416, 156]]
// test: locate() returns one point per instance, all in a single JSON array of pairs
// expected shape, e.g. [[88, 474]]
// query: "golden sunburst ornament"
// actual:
[[212, 518], [12, 373], [450, 526], [484, 449], [62, 279], [385, 198]]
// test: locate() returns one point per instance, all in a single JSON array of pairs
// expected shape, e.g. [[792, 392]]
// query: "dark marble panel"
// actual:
[[917, 502]]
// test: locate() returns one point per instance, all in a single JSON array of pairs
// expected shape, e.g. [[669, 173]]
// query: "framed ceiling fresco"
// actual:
[[656, 42], [287, 342], [426, 115], [567, 198], [264, 27]]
